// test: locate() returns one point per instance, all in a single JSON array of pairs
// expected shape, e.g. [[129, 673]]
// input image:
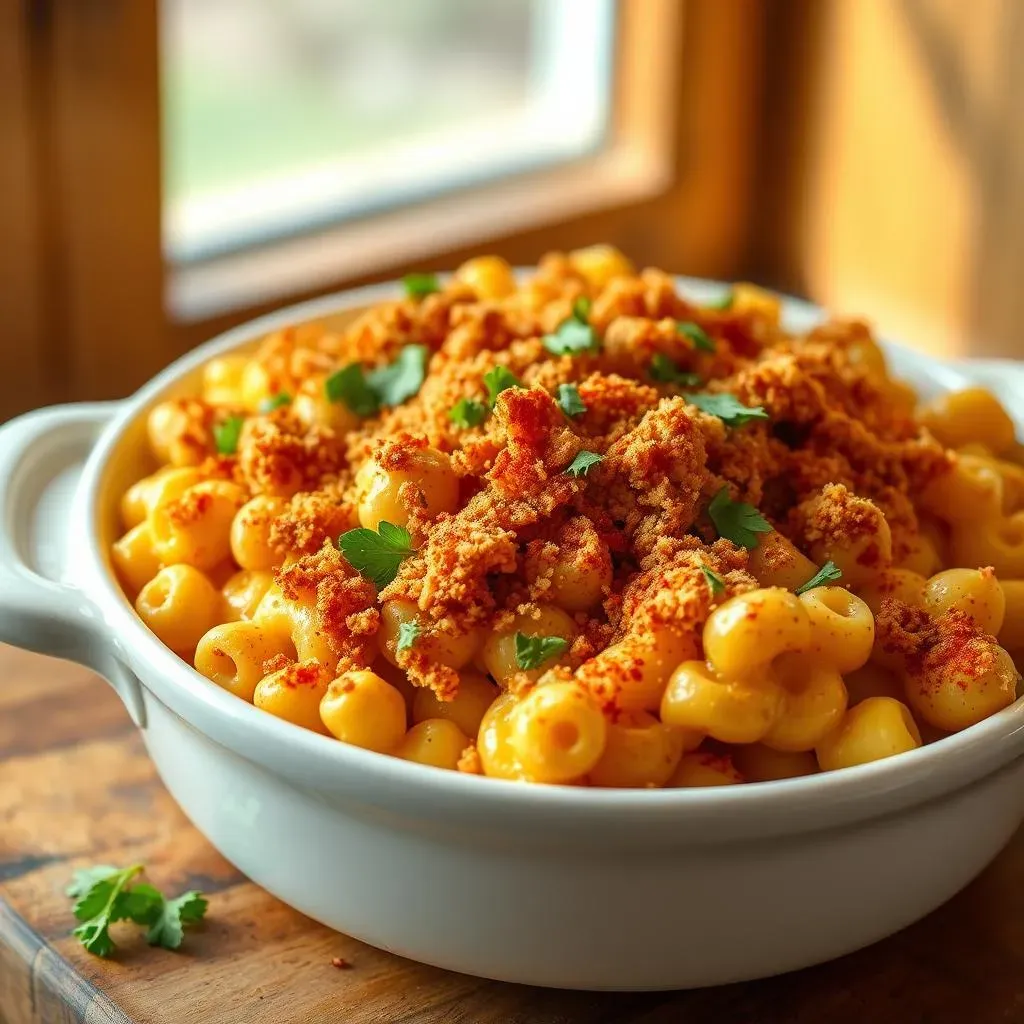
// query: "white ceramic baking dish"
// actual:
[[544, 885]]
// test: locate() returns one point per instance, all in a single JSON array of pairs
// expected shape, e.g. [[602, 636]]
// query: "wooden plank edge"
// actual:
[[51, 983]]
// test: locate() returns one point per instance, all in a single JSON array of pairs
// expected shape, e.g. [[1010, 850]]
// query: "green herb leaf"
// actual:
[[722, 303], [533, 651], [572, 337], [715, 582], [828, 573], [736, 520], [499, 379], [393, 384], [226, 434], [468, 412], [95, 906], [569, 400], [141, 904], [95, 900], [350, 386], [665, 370], [580, 466], [167, 928], [728, 408], [418, 285], [104, 896], [82, 881], [581, 309], [408, 633], [696, 334], [270, 404], [364, 393], [95, 936], [377, 554]]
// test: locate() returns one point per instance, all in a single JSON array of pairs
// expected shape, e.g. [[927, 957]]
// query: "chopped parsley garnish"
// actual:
[[569, 400], [715, 582], [722, 303], [468, 412], [365, 392], [418, 285], [227, 433], [581, 465], [275, 402], [498, 379], [828, 573], [377, 554], [581, 308], [574, 335], [736, 520], [728, 408], [103, 895], [664, 369], [533, 651], [403, 378], [408, 633], [349, 385], [696, 334]]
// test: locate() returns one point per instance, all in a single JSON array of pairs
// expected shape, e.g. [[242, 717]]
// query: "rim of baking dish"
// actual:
[[327, 765]]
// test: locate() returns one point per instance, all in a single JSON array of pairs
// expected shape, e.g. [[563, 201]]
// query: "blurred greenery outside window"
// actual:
[[287, 116]]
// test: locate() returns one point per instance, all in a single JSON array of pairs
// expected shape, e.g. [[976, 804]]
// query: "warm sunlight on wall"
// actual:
[[914, 138]]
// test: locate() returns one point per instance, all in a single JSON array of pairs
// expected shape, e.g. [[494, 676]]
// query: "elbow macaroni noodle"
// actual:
[[616, 643]]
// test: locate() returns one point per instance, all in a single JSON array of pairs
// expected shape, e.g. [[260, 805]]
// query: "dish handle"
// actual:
[[41, 609]]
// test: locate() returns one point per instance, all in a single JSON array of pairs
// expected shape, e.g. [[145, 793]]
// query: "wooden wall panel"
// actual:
[[898, 165], [29, 376], [104, 125]]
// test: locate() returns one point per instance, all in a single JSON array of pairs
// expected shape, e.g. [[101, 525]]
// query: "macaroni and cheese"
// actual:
[[584, 530]]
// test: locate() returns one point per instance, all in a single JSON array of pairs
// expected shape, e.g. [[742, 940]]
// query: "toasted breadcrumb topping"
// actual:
[[834, 455]]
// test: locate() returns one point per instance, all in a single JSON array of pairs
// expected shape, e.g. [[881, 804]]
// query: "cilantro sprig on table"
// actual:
[[377, 554], [533, 651], [104, 895], [736, 520], [828, 573], [366, 392]]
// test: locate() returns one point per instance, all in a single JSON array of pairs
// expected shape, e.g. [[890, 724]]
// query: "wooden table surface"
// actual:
[[76, 789]]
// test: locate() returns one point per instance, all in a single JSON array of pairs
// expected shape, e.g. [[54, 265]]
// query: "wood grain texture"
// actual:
[[77, 788], [30, 363], [891, 156]]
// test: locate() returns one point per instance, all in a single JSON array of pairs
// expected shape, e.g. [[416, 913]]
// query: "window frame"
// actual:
[[512, 144], [672, 188]]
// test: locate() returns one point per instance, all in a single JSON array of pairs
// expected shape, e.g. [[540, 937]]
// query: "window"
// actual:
[[287, 115], [201, 161]]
